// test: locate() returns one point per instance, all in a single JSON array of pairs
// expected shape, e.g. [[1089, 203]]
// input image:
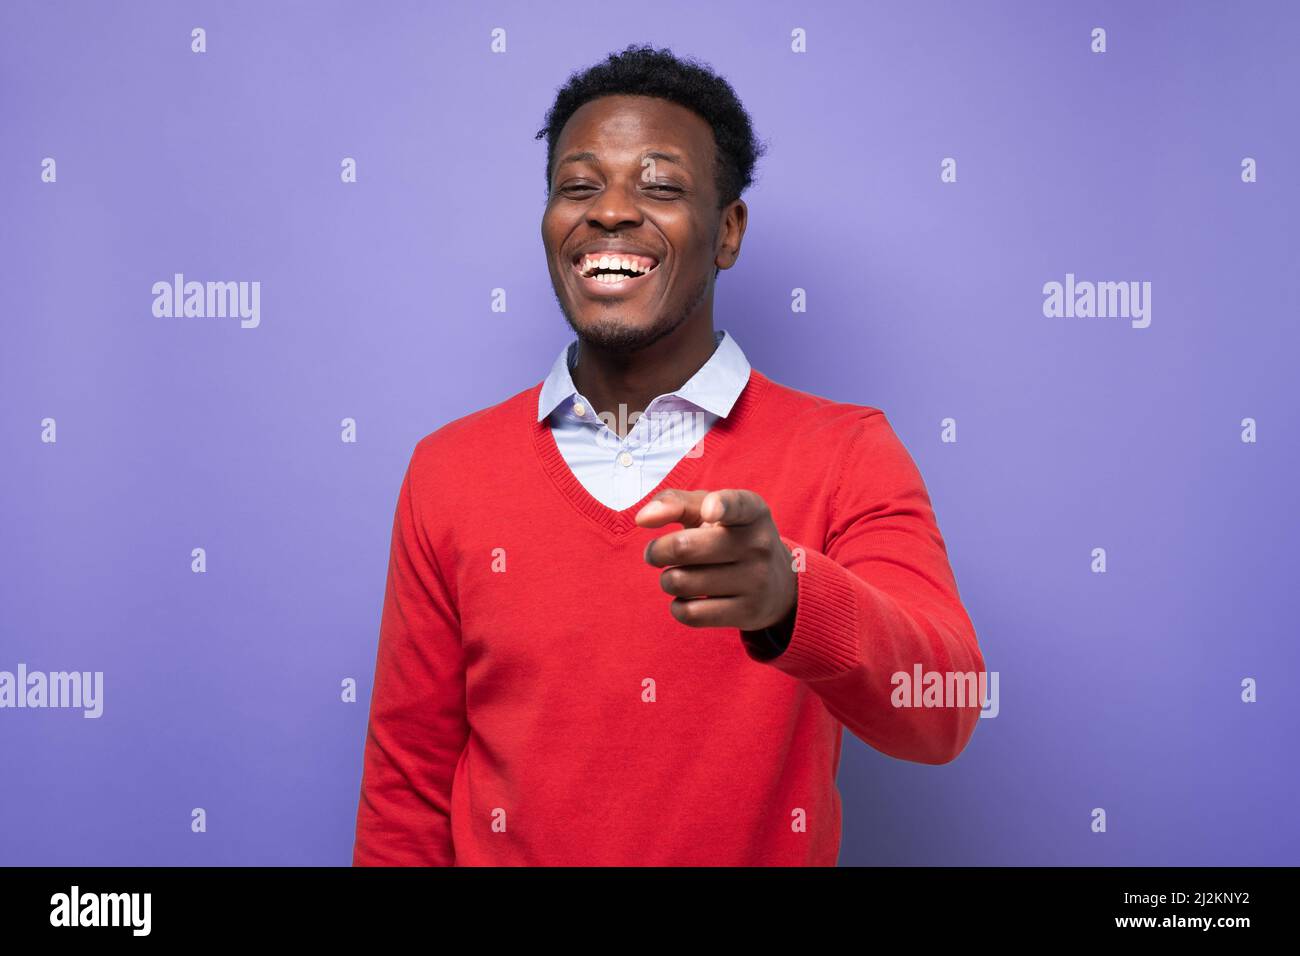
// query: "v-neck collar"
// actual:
[[620, 523]]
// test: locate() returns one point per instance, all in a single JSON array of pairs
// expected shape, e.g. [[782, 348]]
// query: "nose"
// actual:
[[616, 206]]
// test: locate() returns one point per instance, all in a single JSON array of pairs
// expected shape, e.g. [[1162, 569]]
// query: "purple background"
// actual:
[[1118, 690]]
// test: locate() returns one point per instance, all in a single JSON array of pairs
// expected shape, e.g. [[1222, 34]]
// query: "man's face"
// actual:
[[634, 183]]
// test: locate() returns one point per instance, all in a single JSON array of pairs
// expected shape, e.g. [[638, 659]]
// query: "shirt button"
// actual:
[[579, 409], [625, 459]]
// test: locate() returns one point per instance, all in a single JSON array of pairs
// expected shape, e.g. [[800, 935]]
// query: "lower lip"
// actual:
[[593, 286]]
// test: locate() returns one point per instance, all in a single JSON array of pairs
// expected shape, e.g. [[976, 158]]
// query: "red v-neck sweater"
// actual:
[[535, 703]]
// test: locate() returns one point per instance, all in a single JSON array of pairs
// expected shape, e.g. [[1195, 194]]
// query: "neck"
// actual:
[[609, 380]]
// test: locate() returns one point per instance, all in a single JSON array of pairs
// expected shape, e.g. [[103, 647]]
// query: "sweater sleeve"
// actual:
[[417, 725], [877, 601]]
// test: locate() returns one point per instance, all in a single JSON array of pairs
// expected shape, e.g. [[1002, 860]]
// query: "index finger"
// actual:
[[671, 504], [732, 506]]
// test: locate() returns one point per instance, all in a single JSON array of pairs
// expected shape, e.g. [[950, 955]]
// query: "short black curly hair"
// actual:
[[640, 69]]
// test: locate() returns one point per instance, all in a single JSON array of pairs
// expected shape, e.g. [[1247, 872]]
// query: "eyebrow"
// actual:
[[589, 157]]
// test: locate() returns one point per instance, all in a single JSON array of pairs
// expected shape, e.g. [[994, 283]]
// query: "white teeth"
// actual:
[[591, 264]]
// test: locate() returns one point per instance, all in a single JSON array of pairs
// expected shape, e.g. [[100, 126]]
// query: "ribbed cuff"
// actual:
[[771, 641], [827, 639]]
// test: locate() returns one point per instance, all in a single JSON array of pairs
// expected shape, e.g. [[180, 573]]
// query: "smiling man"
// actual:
[[564, 675]]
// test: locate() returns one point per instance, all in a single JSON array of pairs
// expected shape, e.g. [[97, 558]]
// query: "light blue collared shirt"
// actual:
[[619, 472]]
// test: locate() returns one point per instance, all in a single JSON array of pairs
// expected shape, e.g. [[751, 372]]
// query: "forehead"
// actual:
[[623, 126]]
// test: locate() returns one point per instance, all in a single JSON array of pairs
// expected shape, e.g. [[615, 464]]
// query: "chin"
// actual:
[[619, 335]]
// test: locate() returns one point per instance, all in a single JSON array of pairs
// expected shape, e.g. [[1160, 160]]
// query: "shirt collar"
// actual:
[[714, 388]]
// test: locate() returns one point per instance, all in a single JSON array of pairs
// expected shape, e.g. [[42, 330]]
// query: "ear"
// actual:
[[731, 232]]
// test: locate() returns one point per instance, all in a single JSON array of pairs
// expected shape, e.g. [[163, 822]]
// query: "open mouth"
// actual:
[[613, 269]]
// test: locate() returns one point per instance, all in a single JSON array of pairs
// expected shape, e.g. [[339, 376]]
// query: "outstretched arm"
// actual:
[[875, 600]]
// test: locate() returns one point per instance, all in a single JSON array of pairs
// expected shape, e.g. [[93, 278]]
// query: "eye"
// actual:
[[665, 187], [573, 187]]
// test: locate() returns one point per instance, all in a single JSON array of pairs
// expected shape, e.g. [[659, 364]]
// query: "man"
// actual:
[[538, 697]]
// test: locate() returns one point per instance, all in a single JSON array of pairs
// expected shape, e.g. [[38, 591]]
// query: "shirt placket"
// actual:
[[628, 465]]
